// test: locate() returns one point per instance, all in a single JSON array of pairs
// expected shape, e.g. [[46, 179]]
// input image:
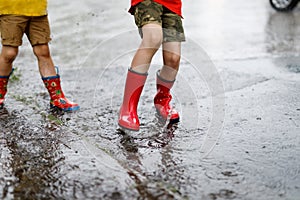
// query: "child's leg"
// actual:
[[52, 80], [7, 56], [152, 39], [165, 80], [147, 15], [38, 34], [12, 28], [45, 63], [173, 36], [148, 19], [163, 98], [171, 57], [136, 76]]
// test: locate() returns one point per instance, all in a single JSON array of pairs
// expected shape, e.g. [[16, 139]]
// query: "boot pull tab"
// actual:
[[12, 70], [57, 70]]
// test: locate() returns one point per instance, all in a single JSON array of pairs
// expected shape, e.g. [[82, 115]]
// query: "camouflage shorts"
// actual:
[[149, 11]]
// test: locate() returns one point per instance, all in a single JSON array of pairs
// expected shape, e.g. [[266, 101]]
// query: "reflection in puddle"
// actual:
[[156, 135], [165, 181], [282, 33], [283, 40]]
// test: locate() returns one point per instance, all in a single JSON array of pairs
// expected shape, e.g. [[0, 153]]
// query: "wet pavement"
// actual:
[[238, 92]]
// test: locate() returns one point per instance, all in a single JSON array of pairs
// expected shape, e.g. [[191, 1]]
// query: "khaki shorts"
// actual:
[[13, 27], [149, 11]]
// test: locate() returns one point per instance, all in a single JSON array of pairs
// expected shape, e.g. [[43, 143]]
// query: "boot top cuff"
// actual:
[[162, 79], [50, 77], [8, 74], [4, 76], [143, 74]]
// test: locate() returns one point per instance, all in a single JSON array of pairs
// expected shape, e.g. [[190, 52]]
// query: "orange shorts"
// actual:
[[13, 27]]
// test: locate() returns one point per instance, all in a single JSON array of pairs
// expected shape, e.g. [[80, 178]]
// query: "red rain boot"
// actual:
[[3, 88], [162, 100], [58, 99], [134, 85]]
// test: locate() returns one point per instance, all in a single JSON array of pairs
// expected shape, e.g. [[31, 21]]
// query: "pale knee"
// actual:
[[172, 60], [152, 40], [9, 55], [41, 51]]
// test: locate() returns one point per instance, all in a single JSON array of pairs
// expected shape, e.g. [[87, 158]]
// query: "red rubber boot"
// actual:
[[162, 100], [58, 99], [3, 88], [134, 85]]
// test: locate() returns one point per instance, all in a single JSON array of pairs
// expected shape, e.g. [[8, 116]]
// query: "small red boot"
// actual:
[[3, 88], [58, 99], [134, 85], [162, 100]]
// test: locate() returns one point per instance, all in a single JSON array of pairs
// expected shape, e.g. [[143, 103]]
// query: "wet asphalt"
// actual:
[[238, 92]]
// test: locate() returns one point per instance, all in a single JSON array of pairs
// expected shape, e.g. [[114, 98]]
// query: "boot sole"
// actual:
[[174, 121], [71, 109], [171, 121], [129, 129]]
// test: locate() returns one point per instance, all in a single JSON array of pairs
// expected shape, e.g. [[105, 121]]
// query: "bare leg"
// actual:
[[171, 56], [152, 39], [51, 80], [165, 80], [7, 56], [45, 62]]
